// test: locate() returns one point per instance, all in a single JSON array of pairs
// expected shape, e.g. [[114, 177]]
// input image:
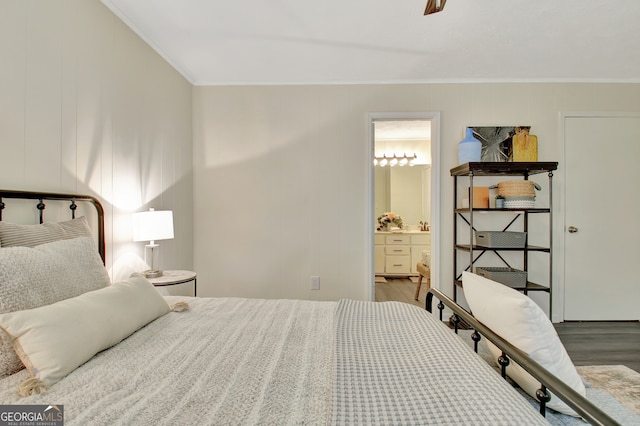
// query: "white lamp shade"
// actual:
[[153, 225]]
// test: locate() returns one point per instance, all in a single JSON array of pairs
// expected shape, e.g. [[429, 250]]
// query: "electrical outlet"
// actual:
[[315, 282]]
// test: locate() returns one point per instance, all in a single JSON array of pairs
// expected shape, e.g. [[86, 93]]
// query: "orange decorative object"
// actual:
[[480, 197]]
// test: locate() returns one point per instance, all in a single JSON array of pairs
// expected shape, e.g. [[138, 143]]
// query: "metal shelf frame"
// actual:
[[518, 169]]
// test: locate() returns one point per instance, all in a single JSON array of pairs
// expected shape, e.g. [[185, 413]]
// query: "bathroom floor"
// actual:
[[399, 289]]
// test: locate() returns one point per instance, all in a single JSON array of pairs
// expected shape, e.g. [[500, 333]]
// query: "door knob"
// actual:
[[572, 229]]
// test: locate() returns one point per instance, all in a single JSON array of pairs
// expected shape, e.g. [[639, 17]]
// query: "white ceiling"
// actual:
[[215, 42]]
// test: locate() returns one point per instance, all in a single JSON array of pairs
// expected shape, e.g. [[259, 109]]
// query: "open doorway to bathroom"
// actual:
[[405, 216]]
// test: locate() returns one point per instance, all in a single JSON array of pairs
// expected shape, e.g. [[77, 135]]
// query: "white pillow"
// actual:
[[15, 235], [34, 277], [520, 321], [54, 340]]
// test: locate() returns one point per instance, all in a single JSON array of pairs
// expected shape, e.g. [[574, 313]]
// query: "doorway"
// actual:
[[602, 207], [404, 180]]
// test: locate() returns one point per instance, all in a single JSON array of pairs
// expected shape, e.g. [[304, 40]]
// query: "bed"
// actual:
[[240, 361]]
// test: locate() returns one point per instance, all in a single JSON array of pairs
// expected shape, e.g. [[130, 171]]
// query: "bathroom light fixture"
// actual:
[[395, 160], [150, 226], [380, 161]]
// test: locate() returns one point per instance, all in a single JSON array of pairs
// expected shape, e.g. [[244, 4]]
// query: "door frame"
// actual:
[[560, 200], [434, 118]]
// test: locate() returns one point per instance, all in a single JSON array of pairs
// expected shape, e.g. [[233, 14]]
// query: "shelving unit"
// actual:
[[464, 216]]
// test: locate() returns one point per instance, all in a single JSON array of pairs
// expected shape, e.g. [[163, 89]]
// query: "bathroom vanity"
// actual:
[[398, 253]]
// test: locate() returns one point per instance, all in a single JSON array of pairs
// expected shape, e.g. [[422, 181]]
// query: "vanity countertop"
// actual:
[[403, 232]]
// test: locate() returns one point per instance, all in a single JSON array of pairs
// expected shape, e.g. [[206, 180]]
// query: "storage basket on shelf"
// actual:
[[507, 276], [501, 239], [516, 188], [518, 193], [519, 202]]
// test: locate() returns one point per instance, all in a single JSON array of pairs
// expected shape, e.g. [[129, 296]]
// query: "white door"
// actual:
[[602, 218]]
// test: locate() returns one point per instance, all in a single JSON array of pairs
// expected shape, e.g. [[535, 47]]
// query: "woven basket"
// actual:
[[519, 202], [516, 188]]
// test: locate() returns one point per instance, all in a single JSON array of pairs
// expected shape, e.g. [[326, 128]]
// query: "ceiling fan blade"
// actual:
[[434, 6]]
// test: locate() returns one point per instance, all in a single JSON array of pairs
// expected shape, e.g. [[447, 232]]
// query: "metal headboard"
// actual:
[[72, 198]]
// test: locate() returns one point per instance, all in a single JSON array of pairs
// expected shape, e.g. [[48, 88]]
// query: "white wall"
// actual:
[[280, 173], [87, 107]]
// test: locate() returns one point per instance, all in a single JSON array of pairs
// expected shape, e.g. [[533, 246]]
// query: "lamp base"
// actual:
[[152, 274]]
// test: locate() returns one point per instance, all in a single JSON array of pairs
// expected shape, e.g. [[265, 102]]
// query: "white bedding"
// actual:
[[247, 361], [185, 368], [397, 365]]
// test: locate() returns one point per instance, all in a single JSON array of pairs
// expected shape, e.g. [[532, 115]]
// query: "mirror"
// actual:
[[405, 191]]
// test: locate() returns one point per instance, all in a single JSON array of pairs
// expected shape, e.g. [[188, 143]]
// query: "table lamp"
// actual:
[[151, 226]]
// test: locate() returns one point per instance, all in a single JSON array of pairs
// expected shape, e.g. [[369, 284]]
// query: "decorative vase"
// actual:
[[469, 149]]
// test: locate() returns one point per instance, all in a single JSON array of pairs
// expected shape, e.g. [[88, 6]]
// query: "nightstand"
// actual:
[[174, 278]]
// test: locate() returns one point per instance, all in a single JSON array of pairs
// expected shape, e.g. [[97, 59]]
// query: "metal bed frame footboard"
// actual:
[[51, 196], [548, 381]]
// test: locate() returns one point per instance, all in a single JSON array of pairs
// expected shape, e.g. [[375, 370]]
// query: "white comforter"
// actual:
[[226, 361], [277, 362]]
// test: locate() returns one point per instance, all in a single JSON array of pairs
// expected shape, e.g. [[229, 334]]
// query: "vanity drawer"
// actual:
[[379, 239], [395, 250], [397, 265], [398, 239]]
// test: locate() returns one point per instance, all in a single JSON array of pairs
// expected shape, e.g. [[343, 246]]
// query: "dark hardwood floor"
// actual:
[[587, 343], [602, 342]]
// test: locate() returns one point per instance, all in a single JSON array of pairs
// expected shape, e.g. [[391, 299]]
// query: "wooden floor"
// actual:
[[602, 342], [588, 343], [400, 290]]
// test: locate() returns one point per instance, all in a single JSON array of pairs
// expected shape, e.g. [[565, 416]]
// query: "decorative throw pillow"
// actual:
[[520, 321], [54, 340], [14, 235], [34, 277]]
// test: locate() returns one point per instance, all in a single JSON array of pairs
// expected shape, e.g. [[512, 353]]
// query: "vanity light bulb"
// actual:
[[404, 161], [383, 162], [375, 161], [394, 161]]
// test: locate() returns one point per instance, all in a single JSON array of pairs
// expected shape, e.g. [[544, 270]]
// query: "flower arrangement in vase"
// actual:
[[387, 220]]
